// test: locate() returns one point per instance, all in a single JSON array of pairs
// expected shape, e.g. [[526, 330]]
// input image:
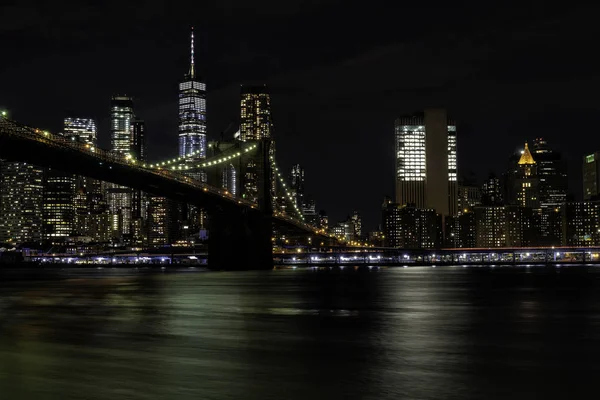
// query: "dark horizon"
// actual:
[[505, 75]]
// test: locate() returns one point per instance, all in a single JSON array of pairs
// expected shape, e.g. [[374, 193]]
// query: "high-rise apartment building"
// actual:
[[255, 121], [505, 226], [591, 176], [21, 199], [426, 165], [256, 124], [581, 221], [192, 111], [409, 227]]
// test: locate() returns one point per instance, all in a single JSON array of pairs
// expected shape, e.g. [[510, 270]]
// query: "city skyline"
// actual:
[[484, 111]]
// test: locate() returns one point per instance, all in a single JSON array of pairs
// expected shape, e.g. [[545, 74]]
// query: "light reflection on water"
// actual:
[[302, 334]]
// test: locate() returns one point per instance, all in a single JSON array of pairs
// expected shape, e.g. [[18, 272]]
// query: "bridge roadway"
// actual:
[[234, 223]]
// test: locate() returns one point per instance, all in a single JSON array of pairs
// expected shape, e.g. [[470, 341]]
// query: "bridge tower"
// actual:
[[240, 238]]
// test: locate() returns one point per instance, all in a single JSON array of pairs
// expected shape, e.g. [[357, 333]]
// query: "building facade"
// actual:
[[552, 175], [409, 227], [192, 112], [591, 176], [426, 162], [581, 223], [21, 199]]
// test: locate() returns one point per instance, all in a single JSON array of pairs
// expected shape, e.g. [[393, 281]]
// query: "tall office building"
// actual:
[[256, 124], [552, 191], [523, 181], [297, 184], [120, 198], [89, 203], [591, 176], [426, 167], [121, 124], [81, 130], [192, 111], [21, 199], [469, 196]]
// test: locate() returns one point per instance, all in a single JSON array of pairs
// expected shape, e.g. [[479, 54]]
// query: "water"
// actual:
[[414, 333]]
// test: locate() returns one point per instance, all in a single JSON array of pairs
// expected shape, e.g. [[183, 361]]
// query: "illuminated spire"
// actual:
[[192, 71], [526, 157]]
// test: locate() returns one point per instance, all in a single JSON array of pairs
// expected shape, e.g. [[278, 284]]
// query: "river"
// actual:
[[389, 333]]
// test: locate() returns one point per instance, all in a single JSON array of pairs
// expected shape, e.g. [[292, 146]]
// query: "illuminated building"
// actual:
[[591, 176], [357, 223], [490, 226], [505, 226], [192, 111], [90, 208], [491, 192], [21, 199], [552, 192], [256, 124], [409, 227], [426, 168], [58, 206], [581, 221], [160, 221], [121, 124], [297, 184], [309, 211], [523, 181], [461, 230], [323, 220], [469, 196], [81, 129], [344, 231], [255, 106]]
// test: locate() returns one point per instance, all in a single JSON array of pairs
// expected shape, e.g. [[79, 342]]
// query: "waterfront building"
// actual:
[[581, 223], [409, 227]]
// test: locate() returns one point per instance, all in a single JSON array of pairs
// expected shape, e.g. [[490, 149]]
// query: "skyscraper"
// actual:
[[255, 121], [256, 124], [58, 206], [90, 208], [121, 124], [591, 176], [297, 182], [491, 191], [552, 191], [524, 181], [192, 111], [81, 130], [426, 167], [21, 195], [120, 198]]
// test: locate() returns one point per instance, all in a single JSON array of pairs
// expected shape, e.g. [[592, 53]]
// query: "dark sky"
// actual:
[[340, 72]]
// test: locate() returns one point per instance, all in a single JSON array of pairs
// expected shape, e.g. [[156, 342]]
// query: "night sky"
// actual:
[[340, 72]]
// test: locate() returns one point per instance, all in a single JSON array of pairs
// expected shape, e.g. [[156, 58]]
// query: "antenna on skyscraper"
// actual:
[[192, 72]]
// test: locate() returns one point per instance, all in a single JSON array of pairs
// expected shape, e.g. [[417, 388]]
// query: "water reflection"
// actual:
[[425, 333]]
